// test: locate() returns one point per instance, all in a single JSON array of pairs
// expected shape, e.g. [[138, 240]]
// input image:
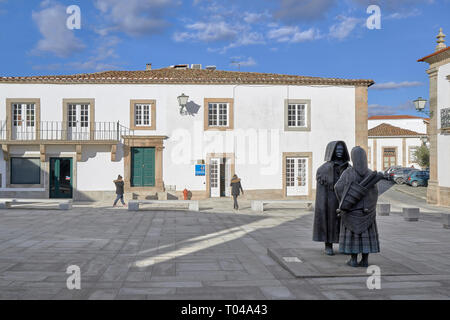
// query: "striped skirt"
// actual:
[[366, 242]]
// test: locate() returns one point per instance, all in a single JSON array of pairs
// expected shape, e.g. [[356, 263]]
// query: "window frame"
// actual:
[[152, 114], [297, 102], [8, 173], [10, 118], [230, 113]]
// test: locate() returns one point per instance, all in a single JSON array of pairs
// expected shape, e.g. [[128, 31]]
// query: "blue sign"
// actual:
[[200, 170]]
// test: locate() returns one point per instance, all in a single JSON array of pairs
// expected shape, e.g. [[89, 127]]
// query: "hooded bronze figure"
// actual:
[[359, 233], [326, 221]]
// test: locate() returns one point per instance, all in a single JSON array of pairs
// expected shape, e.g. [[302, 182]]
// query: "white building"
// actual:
[[439, 72], [70, 136], [394, 139]]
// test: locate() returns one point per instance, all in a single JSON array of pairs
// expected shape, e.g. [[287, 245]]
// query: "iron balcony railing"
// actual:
[[63, 131]]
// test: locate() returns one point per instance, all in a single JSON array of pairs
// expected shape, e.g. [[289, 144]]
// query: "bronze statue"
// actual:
[[326, 222], [358, 194]]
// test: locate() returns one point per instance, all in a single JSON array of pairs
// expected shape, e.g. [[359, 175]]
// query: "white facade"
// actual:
[[443, 139], [402, 145], [259, 144]]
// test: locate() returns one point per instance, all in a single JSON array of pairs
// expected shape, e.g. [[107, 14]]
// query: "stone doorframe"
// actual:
[[208, 160], [156, 142]]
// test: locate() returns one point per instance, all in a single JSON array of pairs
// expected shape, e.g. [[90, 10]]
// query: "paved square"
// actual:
[[211, 254]]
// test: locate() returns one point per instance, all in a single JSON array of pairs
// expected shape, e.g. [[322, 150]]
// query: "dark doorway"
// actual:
[[61, 177]]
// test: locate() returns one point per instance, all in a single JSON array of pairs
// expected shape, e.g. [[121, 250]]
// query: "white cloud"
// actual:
[[293, 34], [299, 10], [238, 61], [344, 28], [207, 32], [377, 109], [134, 17], [252, 17], [396, 85], [57, 38]]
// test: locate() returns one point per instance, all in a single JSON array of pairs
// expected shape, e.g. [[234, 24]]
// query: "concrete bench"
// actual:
[[383, 209], [258, 205], [63, 204], [133, 205], [446, 220], [411, 214]]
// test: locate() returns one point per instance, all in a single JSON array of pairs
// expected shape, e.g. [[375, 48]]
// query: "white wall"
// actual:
[[443, 101], [392, 142], [256, 108]]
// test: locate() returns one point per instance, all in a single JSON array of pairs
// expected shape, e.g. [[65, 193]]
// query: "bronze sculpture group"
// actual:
[[345, 209]]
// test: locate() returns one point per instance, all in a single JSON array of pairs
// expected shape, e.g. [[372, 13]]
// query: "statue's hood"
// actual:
[[359, 160], [331, 147]]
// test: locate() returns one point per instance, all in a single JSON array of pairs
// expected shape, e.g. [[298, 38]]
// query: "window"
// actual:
[[412, 157], [23, 114], [25, 171], [218, 114], [143, 114], [297, 115]]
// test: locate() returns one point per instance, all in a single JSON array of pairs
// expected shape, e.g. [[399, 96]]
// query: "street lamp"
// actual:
[[182, 101], [420, 104]]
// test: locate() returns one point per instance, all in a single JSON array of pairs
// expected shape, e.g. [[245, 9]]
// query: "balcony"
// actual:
[[56, 132]]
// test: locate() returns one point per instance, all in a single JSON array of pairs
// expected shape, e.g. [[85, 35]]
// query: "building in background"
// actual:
[[439, 73], [173, 128], [393, 139]]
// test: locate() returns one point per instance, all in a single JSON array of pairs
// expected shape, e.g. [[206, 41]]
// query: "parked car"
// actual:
[[389, 170], [399, 176], [418, 178]]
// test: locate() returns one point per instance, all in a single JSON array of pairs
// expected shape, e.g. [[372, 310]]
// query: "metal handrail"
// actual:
[[64, 131]]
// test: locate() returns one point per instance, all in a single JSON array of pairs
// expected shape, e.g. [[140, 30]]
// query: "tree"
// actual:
[[422, 155]]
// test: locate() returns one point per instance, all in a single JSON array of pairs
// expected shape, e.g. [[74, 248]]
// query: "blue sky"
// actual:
[[327, 38]]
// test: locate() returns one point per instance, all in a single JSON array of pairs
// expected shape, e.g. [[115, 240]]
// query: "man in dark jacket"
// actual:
[[359, 233], [236, 187], [326, 222], [119, 190]]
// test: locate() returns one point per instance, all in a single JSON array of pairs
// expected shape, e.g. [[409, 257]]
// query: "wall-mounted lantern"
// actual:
[[182, 101]]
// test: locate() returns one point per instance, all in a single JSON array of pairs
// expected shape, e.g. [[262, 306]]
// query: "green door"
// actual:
[[61, 177], [143, 167]]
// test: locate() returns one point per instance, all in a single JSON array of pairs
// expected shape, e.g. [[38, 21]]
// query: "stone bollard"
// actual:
[[446, 220], [383, 209], [133, 205], [411, 214]]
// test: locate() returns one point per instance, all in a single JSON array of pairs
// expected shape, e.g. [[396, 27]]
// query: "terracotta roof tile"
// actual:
[[186, 76], [387, 130]]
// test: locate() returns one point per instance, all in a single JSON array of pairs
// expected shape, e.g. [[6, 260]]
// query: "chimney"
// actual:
[[148, 67], [440, 40]]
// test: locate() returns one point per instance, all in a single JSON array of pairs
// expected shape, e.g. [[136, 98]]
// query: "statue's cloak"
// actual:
[[326, 222]]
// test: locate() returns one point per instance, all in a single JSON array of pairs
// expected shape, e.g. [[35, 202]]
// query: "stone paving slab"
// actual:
[[307, 263]]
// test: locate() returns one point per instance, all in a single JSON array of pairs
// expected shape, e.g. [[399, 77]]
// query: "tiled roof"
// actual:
[[433, 54], [186, 76], [387, 130], [394, 117]]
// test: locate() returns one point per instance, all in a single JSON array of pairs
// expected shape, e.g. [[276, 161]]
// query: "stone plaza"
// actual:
[[216, 253]]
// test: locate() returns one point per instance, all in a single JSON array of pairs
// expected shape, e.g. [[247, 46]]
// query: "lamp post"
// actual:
[[182, 101]]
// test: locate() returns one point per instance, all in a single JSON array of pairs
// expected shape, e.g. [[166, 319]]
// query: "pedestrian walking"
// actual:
[[236, 188], [119, 190]]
